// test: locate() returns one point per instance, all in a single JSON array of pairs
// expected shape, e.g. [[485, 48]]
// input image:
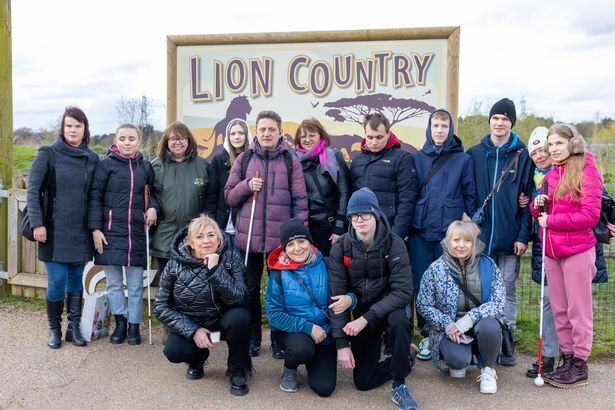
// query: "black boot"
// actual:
[[276, 347], [134, 337], [547, 366], [73, 308], [54, 316], [255, 347], [119, 334]]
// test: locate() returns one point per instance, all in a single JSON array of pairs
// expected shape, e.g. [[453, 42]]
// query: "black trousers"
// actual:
[[320, 235], [487, 341], [320, 361], [369, 371], [234, 327], [254, 275]]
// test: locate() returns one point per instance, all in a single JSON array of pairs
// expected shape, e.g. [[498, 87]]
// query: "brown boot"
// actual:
[[574, 377], [565, 363]]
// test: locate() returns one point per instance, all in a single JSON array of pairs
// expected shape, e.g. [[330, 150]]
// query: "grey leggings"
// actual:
[[487, 339]]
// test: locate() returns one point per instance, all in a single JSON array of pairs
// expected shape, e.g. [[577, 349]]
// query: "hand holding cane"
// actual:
[[538, 381], [149, 303], [256, 175]]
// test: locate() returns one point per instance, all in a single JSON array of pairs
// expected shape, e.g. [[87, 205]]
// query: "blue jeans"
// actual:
[[63, 278], [422, 254], [115, 291]]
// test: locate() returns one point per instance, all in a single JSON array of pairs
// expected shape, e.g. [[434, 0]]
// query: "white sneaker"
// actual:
[[424, 350], [457, 373], [487, 379]]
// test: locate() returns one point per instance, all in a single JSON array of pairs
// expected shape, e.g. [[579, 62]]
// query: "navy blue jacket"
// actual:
[[390, 174], [505, 222], [66, 219], [117, 208], [449, 193]]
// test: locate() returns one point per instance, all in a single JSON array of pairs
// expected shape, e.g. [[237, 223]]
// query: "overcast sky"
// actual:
[[558, 55]]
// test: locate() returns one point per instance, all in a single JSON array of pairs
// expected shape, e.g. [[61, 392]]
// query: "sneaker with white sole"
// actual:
[[424, 350], [288, 380], [403, 399], [457, 373], [487, 379]]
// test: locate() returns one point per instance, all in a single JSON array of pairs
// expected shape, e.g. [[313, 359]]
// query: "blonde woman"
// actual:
[[201, 298], [462, 298], [237, 141]]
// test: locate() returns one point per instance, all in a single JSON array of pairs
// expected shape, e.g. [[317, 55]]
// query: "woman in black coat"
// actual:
[[58, 188], [328, 184], [118, 219], [202, 296], [236, 141]]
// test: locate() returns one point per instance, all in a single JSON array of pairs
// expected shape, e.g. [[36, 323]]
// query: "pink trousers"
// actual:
[[570, 290]]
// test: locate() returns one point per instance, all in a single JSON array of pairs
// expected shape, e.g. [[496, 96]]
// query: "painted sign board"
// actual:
[[336, 77]]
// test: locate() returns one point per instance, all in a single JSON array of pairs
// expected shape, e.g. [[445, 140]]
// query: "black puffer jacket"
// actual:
[[117, 208], [336, 193], [215, 205], [68, 239], [191, 296], [378, 275], [391, 175]]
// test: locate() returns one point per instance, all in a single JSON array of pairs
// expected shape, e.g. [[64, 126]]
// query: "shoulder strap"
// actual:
[[244, 162], [288, 161], [465, 290], [509, 166], [321, 192], [347, 251], [435, 167], [309, 292]]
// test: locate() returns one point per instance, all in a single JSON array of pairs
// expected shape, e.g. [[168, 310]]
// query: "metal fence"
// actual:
[[528, 294]]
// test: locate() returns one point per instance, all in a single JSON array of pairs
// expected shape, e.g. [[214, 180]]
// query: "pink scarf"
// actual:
[[327, 160]]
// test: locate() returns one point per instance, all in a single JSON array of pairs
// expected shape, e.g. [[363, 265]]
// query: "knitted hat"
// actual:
[[538, 139], [363, 201], [504, 107], [292, 229]]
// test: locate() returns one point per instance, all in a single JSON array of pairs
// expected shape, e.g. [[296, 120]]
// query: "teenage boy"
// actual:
[[503, 168], [446, 191]]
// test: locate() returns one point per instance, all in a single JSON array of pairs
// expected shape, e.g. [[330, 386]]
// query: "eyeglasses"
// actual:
[[308, 137], [363, 217], [179, 140]]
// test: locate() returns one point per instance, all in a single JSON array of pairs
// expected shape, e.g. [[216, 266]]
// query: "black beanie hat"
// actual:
[[504, 107], [293, 229]]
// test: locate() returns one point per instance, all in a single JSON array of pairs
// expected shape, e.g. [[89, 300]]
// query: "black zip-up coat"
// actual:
[[191, 296], [379, 275], [215, 204], [336, 193], [117, 208], [68, 238], [391, 175]]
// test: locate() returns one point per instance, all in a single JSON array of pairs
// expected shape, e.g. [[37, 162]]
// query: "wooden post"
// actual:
[[6, 121]]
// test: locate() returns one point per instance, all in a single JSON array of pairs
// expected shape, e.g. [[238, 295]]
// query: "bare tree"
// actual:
[[137, 111]]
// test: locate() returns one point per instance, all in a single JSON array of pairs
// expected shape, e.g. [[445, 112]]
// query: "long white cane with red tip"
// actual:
[[257, 175], [539, 381], [149, 265]]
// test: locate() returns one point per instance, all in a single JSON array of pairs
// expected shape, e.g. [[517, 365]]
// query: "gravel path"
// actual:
[[102, 375]]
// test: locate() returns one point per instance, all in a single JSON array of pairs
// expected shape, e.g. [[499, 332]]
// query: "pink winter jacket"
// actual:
[[275, 203], [569, 225]]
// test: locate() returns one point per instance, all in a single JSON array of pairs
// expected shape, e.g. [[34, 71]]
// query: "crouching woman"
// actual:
[[202, 297], [461, 298], [297, 295]]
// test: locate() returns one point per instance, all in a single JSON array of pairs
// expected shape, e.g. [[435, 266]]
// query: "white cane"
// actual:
[[257, 175], [149, 265], [539, 381]]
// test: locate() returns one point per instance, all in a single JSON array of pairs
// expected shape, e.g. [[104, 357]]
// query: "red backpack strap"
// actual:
[[347, 248]]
